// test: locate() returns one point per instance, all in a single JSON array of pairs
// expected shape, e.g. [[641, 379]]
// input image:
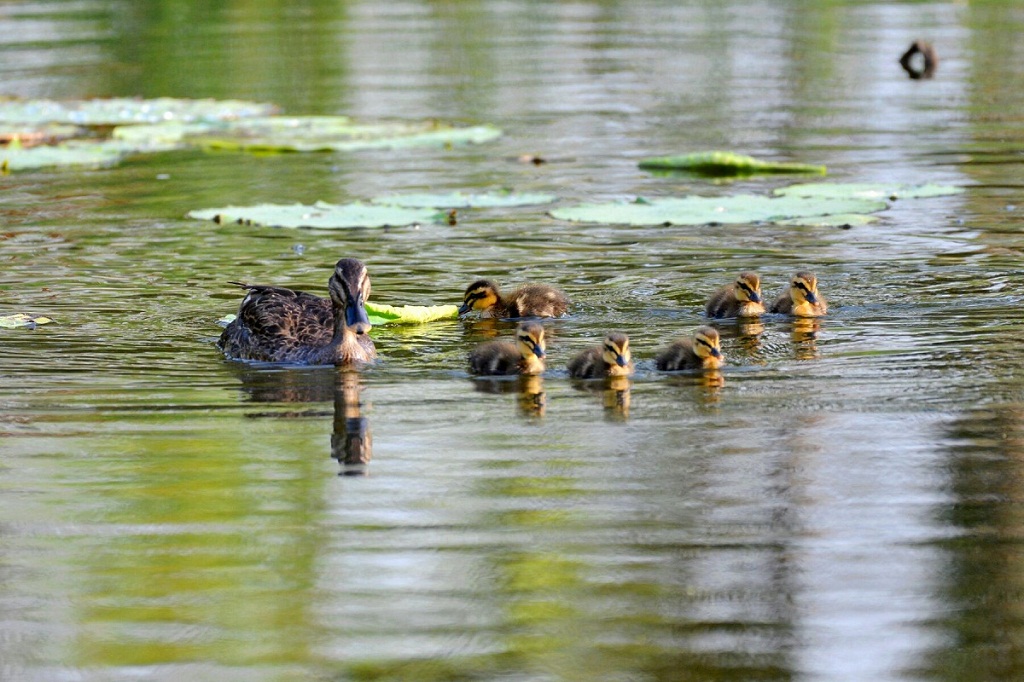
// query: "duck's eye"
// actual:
[[746, 287], [801, 285], [702, 340]]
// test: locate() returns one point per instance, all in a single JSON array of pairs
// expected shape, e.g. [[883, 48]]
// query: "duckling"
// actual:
[[529, 300], [275, 324], [700, 352], [611, 358], [742, 298], [801, 297], [525, 356]]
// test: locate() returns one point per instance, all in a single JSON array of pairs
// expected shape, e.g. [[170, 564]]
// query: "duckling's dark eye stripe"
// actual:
[[705, 342], [746, 287], [801, 285]]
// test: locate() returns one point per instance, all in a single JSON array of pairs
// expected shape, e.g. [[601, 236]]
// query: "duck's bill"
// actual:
[[356, 317]]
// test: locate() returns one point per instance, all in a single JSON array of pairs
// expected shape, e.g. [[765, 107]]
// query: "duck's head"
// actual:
[[480, 295], [530, 342], [615, 352], [350, 289], [706, 344], [804, 287], [748, 287]]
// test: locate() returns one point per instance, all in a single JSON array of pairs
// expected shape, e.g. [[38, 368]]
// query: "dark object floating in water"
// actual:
[[920, 60]]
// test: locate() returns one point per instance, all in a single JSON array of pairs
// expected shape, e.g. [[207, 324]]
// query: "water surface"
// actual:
[[842, 507]]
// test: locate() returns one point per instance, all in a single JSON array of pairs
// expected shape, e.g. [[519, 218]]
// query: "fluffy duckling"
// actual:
[[611, 358], [529, 300], [801, 297], [525, 356], [742, 298], [275, 324], [700, 352]]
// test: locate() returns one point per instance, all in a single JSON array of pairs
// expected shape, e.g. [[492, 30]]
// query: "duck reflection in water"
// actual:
[[532, 399], [805, 335], [351, 439]]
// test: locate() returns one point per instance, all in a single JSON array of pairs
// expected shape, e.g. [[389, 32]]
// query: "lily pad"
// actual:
[[29, 135], [863, 190], [22, 320], [333, 133], [124, 110], [380, 313], [461, 200], [838, 220], [320, 215], [695, 210], [724, 163], [74, 153]]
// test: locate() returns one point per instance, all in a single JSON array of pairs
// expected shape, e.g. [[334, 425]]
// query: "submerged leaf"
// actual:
[[124, 110], [409, 314], [865, 190], [31, 134], [725, 163], [694, 210], [331, 133], [22, 320], [461, 200], [320, 215]]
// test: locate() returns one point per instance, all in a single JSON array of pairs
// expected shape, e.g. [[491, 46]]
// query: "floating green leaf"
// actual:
[[864, 190], [724, 163], [461, 200], [73, 153], [332, 133], [118, 111], [409, 314], [320, 215], [694, 210], [22, 320]]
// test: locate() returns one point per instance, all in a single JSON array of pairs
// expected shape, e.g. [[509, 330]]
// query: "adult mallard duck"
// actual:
[[700, 352], [529, 300], [275, 324], [611, 358], [742, 298], [525, 356], [801, 297]]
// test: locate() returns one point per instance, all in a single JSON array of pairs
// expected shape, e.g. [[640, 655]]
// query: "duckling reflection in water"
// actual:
[[801, 297], [742, 298], [524, 356], [529, 389], [276, 324], [351, 440], [700, 352], [611, 358], [529, 300], [805, 336]]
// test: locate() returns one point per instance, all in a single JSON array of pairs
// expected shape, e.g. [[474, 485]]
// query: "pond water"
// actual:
[[843, 506]]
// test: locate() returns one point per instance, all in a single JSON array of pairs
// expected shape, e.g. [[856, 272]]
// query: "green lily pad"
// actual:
[[320, 215], [724, 163], [461, 200], [838, 220], [694, 210], [864, 190], [332, 133], [22, 320], [380, 313], [73, 153], [124, 110]]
